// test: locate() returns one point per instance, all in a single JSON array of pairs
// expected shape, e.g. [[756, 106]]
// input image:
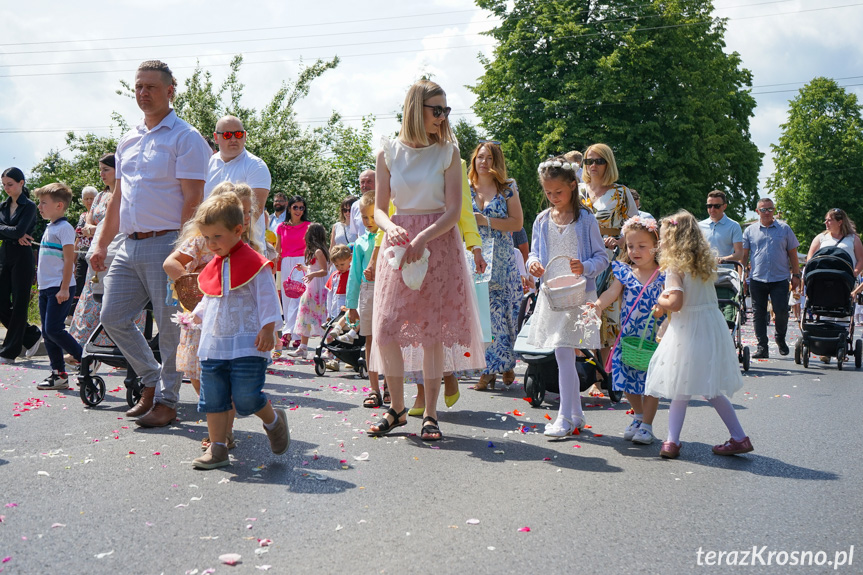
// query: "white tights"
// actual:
[[722, 405], [570, 388]]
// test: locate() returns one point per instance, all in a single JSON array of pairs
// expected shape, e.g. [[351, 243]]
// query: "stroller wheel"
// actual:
[[362, 369], [92, 390], [534, 390], [840, 359], [133, 394], [858, 353], [746, 358], [320, 367], [798, 349], [804, 353], [614, 395]]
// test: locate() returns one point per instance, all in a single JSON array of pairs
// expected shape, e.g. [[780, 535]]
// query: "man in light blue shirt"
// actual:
[[723, 234], [770, 251]]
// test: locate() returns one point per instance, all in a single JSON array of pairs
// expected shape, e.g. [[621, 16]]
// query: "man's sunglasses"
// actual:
[[714, 206], [239, 134], [597, 161], [438, 111], [765, 210]]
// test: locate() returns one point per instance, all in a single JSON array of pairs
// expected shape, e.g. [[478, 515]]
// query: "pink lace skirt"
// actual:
[[437, 327]]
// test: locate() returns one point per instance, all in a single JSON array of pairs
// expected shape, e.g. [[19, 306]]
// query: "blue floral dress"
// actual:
[[504, 286], [623, 377]]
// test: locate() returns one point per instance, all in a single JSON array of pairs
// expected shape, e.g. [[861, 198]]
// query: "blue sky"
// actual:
[[384, 47]]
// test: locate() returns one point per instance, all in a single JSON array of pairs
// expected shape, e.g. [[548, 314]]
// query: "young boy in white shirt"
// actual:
[[55, 279]]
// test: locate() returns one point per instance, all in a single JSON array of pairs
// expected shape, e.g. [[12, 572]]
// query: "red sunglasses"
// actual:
[[239, 134]]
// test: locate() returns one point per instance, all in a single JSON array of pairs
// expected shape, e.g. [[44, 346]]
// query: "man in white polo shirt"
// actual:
[[722, 233], [237, 165], [367, 184], [161, 167]]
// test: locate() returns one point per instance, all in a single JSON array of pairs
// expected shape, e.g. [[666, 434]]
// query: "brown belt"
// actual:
[[145, 235], [614, 232]]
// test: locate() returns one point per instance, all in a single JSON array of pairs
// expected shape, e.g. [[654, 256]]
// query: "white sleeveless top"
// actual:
[[846, 243], [417, 175]]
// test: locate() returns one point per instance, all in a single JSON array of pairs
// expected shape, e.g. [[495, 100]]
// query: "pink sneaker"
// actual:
[[669, 450], [732, 447]]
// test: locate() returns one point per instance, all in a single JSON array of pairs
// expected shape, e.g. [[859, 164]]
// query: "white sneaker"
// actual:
[[630, 430], [31, 351], [6, 360], [301, 352], [55, 381], [349, 337], [560, 428], [643, 437]]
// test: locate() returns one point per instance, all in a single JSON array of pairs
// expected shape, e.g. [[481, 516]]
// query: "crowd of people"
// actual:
[[399, 263]]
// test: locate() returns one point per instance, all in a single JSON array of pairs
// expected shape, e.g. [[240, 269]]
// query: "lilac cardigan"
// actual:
[[591, 248]]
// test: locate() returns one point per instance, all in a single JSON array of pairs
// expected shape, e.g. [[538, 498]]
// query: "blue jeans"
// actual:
[[778, 294], [57, 339], [241, 380]]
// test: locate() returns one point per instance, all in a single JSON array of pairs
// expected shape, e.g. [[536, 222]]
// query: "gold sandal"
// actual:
[[486, 381]]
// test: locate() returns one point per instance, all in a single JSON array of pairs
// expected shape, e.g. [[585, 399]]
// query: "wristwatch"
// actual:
[[797, 275]]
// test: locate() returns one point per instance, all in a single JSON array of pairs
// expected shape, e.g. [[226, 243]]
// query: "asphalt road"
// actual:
[[85, 491]]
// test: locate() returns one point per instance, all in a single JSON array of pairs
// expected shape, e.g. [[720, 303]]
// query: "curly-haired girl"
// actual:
[[696, 356]]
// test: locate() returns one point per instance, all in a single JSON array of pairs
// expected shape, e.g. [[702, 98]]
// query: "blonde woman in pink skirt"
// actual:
[[435, 328]]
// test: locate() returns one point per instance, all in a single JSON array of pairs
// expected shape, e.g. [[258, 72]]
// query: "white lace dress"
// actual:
[[696, 355], [231, 323], [550, 329]]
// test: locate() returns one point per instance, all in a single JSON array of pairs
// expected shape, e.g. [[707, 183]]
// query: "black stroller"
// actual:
[[353, 354], [542, 373], [100, 348], [732, 304], [828, 317]]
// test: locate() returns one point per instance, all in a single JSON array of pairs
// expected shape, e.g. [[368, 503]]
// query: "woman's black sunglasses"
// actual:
[[438, 111]]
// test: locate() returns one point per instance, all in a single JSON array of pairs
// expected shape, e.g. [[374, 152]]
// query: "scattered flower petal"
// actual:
[[524, 530], [230, 558], [103, 555], [364, 456], [472, 521]]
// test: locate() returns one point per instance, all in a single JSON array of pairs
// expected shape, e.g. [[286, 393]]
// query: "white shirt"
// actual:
[[150, 164], [355, 222], [246, 168], [231, 323], [417, 175], [49, 273]]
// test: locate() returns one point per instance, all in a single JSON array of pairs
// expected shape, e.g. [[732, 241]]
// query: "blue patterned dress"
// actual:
[[623, 377], [504, 286]]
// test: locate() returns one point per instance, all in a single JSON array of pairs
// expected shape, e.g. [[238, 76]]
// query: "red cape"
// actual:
[[244, 263]]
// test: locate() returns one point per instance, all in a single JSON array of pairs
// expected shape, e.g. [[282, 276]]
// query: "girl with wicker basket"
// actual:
[[638, 281], [312, 312], [695, 356], [184, 264], [566, 240]]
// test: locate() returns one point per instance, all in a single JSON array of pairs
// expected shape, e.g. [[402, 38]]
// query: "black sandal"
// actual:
[[429, 431], [373, 400], [387, 398], [384, 426]]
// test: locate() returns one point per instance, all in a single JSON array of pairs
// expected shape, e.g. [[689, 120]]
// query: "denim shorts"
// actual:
[[240, 380]]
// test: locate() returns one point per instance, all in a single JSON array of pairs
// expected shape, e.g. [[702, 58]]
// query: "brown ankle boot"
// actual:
[[145, 403], [160, 416]]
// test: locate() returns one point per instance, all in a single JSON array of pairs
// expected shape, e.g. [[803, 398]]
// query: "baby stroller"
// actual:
[[542, 373], [828, 318], [729, 293], [353, 354], [100, 348]]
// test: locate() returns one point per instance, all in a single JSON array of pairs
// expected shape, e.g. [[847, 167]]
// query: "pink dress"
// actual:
[[436, 328], [312, 312], [187, 350]]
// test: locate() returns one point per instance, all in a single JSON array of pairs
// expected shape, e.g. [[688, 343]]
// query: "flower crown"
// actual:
[[557, 164], [647, 223]]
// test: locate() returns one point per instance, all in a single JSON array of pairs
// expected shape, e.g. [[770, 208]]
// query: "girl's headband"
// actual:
[[557, 164]]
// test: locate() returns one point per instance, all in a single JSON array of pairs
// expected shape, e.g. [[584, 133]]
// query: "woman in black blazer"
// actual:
[[17, 267]]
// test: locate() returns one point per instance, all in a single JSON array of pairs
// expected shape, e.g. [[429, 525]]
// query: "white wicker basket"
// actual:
[[564, 292]]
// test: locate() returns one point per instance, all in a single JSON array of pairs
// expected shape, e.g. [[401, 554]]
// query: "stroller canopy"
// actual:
[[829, 278]]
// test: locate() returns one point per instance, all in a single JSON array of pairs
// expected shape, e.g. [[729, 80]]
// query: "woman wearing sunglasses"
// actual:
[[612, 204], [291, 247], [436, 327], [341, 232]]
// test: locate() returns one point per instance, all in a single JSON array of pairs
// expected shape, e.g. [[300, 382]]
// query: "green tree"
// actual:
[[819, 158], [468, 137], [650, 79], [348, 151]]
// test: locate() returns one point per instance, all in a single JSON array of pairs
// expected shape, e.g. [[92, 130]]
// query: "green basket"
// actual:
[[636, 351]]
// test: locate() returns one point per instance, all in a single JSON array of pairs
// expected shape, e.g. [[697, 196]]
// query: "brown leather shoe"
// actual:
[[160, 416], [145, 403]]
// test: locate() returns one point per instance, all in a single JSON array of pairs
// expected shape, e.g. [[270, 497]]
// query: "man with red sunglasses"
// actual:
[[237, 165]]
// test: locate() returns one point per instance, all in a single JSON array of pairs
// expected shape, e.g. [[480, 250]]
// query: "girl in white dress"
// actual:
[[696, 355], [568, 229]]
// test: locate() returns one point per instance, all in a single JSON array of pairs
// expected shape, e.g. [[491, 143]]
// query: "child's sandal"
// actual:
[[373, 400]]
